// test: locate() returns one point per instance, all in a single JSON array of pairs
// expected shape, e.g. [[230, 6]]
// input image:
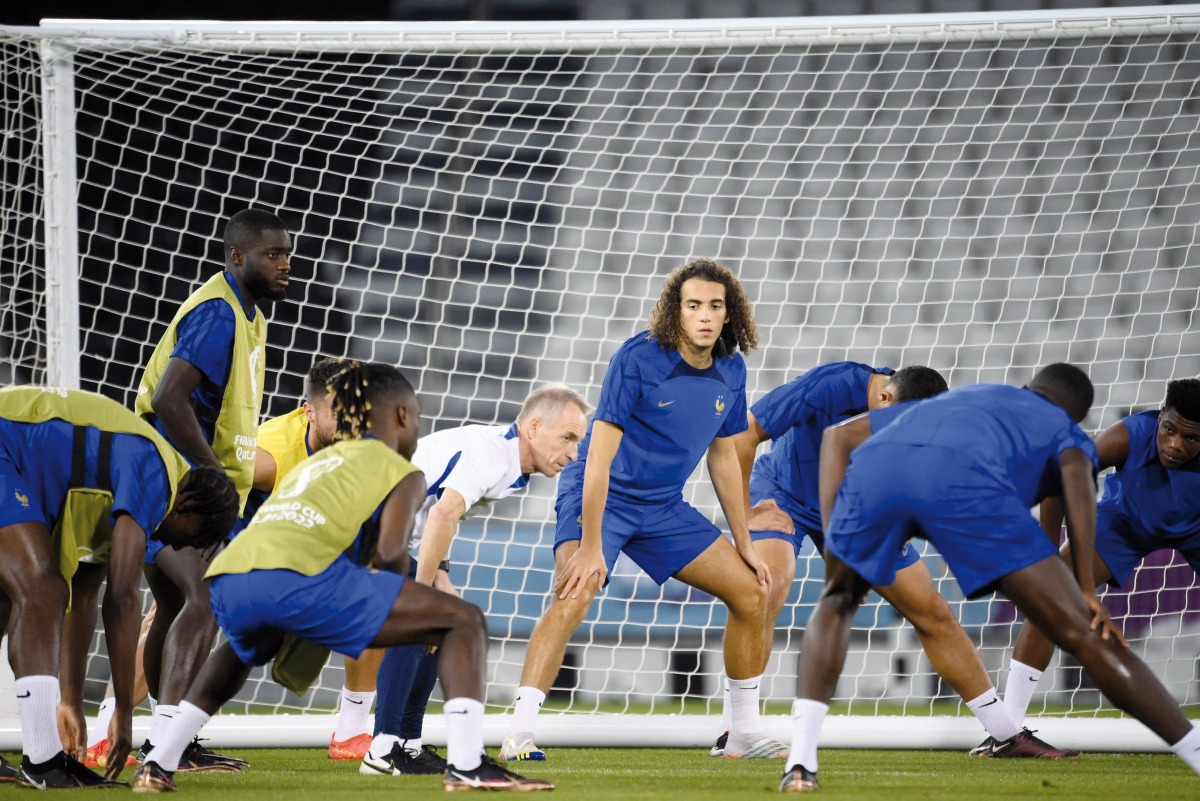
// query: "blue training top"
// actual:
[[1159, 503], [43, 453], [669, 411], [1010, 436], [795, 415]]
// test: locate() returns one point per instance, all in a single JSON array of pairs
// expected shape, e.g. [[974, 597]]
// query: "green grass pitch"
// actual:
[[608, 774]]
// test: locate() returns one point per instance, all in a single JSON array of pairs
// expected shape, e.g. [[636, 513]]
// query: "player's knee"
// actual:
[[465, 617], [776, 600], [198, 619], [571, 611], [40, 588], [1074, 637], [53, 593], [750, 603], [933, 620], [842, 597], [473, 619]]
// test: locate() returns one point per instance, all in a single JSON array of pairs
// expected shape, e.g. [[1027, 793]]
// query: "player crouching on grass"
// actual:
[[85, 485], [962, 470], [291, 573], [1150, 502]]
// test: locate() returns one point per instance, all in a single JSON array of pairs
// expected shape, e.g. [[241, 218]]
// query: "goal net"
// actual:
[[494, 207]]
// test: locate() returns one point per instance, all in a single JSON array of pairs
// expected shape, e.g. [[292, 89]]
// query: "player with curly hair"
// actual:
[[672, 394]]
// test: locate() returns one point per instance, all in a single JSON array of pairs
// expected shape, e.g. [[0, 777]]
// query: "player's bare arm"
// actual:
[[837, 443], [122, 617], [1079, 503], [396, 523], [1112, 447], [172, 406], [264, 471], [589, 561], [767, 516], [726, 477], [745, 444], [79, 624], [441, 524], [122, 613]]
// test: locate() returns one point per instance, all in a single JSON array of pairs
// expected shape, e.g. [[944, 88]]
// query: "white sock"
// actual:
[[726, 709], [184, 725], [1018, 689], [163, 715], [744, 716], [413, 745], [994, 716], [807, 718], [354, 715], [1188, 749], [153, 703], [37, 704], [103, 718], [381, 746], [464, 732], [529, 703]]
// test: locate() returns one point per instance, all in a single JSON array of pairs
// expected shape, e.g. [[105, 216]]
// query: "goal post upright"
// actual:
[[61, 223]]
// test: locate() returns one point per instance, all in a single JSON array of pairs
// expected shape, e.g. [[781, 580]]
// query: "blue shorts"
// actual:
[[761, 490], [342, 608], [1123, 546], [908, 555], [904, 491], [20, 500], [153, 546], [662, 538]]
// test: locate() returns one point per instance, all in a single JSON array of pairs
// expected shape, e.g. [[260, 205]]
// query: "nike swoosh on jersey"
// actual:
[[665, 403]]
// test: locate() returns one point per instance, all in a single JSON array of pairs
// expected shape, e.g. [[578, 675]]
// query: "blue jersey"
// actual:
[[43, 452], [1157, 502], [205, 340], [883, 417], [794, 416], [669, 411], [1010, 436]]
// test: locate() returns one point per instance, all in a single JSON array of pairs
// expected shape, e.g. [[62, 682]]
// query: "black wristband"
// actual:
[[444, 565]]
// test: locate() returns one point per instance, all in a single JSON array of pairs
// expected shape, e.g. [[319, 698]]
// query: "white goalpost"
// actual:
[[493, 206]]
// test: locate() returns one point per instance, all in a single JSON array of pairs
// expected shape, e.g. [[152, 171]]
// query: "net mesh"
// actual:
[[495, 209]]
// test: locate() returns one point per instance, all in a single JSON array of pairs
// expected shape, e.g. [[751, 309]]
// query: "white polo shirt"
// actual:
[[480, 463]]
